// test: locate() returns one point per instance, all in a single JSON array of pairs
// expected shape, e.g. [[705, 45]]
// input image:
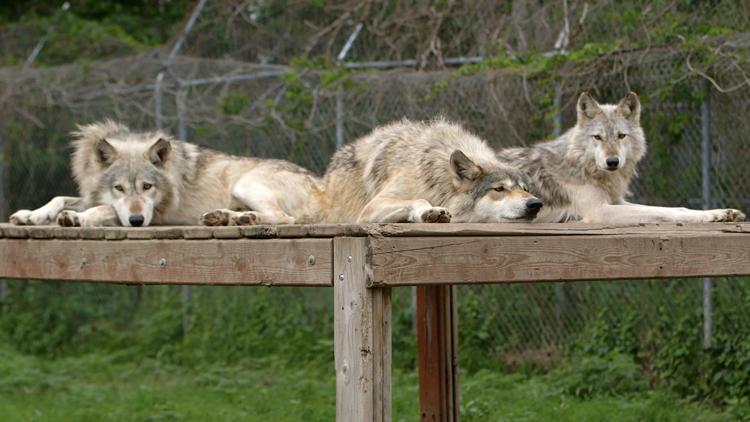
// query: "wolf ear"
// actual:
[[587, 107], [463, 168], [630, 107], [104, 151], [159, 152]]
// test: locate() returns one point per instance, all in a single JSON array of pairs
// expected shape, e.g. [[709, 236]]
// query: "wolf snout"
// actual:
[[612, 163], [533, 206], [136, 220]]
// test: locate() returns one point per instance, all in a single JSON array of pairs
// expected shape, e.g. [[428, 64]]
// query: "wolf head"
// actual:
[[124, 169], [497, 193], [610, 135]]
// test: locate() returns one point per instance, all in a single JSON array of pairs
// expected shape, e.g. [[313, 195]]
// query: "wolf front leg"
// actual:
[[264, 202], [256, 196], [628, 213], [48, 213], [102, 215], [362, 336], [388, 210]]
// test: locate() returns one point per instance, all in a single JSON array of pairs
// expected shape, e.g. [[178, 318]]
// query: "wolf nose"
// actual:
[[534, 205], [136, 220], [612, 163]]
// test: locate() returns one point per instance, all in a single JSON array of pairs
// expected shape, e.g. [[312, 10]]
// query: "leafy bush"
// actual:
[[614, 374]]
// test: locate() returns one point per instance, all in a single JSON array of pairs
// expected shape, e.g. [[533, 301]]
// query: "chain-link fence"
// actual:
[[215, 90]]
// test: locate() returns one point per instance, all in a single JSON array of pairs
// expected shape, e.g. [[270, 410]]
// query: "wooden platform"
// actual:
[[397, 254], [362, 263]]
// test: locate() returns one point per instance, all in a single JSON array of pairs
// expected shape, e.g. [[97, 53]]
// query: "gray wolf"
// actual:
[[142, 178], [585, 173], [432, 172]]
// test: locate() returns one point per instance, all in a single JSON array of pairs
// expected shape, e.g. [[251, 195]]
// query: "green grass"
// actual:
[[94, 388]]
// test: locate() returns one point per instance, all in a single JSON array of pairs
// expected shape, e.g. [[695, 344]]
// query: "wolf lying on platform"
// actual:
[[430, 172], [584, 174], [137, 179]]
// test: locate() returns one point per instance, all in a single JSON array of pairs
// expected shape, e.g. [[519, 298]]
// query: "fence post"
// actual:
[[182, 133], [340, 91], [706, 197], [50, 29], [182, 128], [559, 292], [339, 118], [3, 218], [362, 336], [437, 338]]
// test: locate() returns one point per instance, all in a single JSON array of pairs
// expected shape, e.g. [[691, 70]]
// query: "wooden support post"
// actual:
[[437, 337], [362, 336]]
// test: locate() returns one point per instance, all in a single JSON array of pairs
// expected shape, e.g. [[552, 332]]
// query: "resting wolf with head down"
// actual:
[[141, 178], [585, 173], [433, 172]]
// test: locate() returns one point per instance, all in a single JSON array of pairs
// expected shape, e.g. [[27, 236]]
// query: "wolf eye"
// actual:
[[500, 188], [621, 135], [598, 137], [119, 188], [147, 186]]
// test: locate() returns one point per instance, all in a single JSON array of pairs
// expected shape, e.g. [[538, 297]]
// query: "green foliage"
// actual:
[[475, 336], [97, 387], [233, 104], [307, 82], [613, 374], [649, 335], [146, 22], [36, 154], [669, 348], [487, 395]]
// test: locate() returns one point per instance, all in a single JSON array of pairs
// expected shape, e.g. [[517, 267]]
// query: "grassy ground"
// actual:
[[93, 388]]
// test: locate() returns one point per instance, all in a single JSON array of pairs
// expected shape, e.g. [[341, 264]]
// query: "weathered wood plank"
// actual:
[[231, 232], [441, 260], [381, 354], [259, 232], [43, 232], [547, 229], [437, 341], [355, 230], [197, 232], [321, 230], [67, 232], [118, 233], [16, 232], [251, 262], [95, 233], [362, 337]]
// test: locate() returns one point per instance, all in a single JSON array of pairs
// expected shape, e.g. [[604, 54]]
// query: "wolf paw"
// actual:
[[215, 218], [38, 217], [436, 215], [247, 218], [68, 219], [733, 215], [21, 218], [725, 215]]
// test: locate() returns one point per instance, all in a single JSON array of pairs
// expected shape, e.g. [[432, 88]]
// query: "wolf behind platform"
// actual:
[[585, 173]]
